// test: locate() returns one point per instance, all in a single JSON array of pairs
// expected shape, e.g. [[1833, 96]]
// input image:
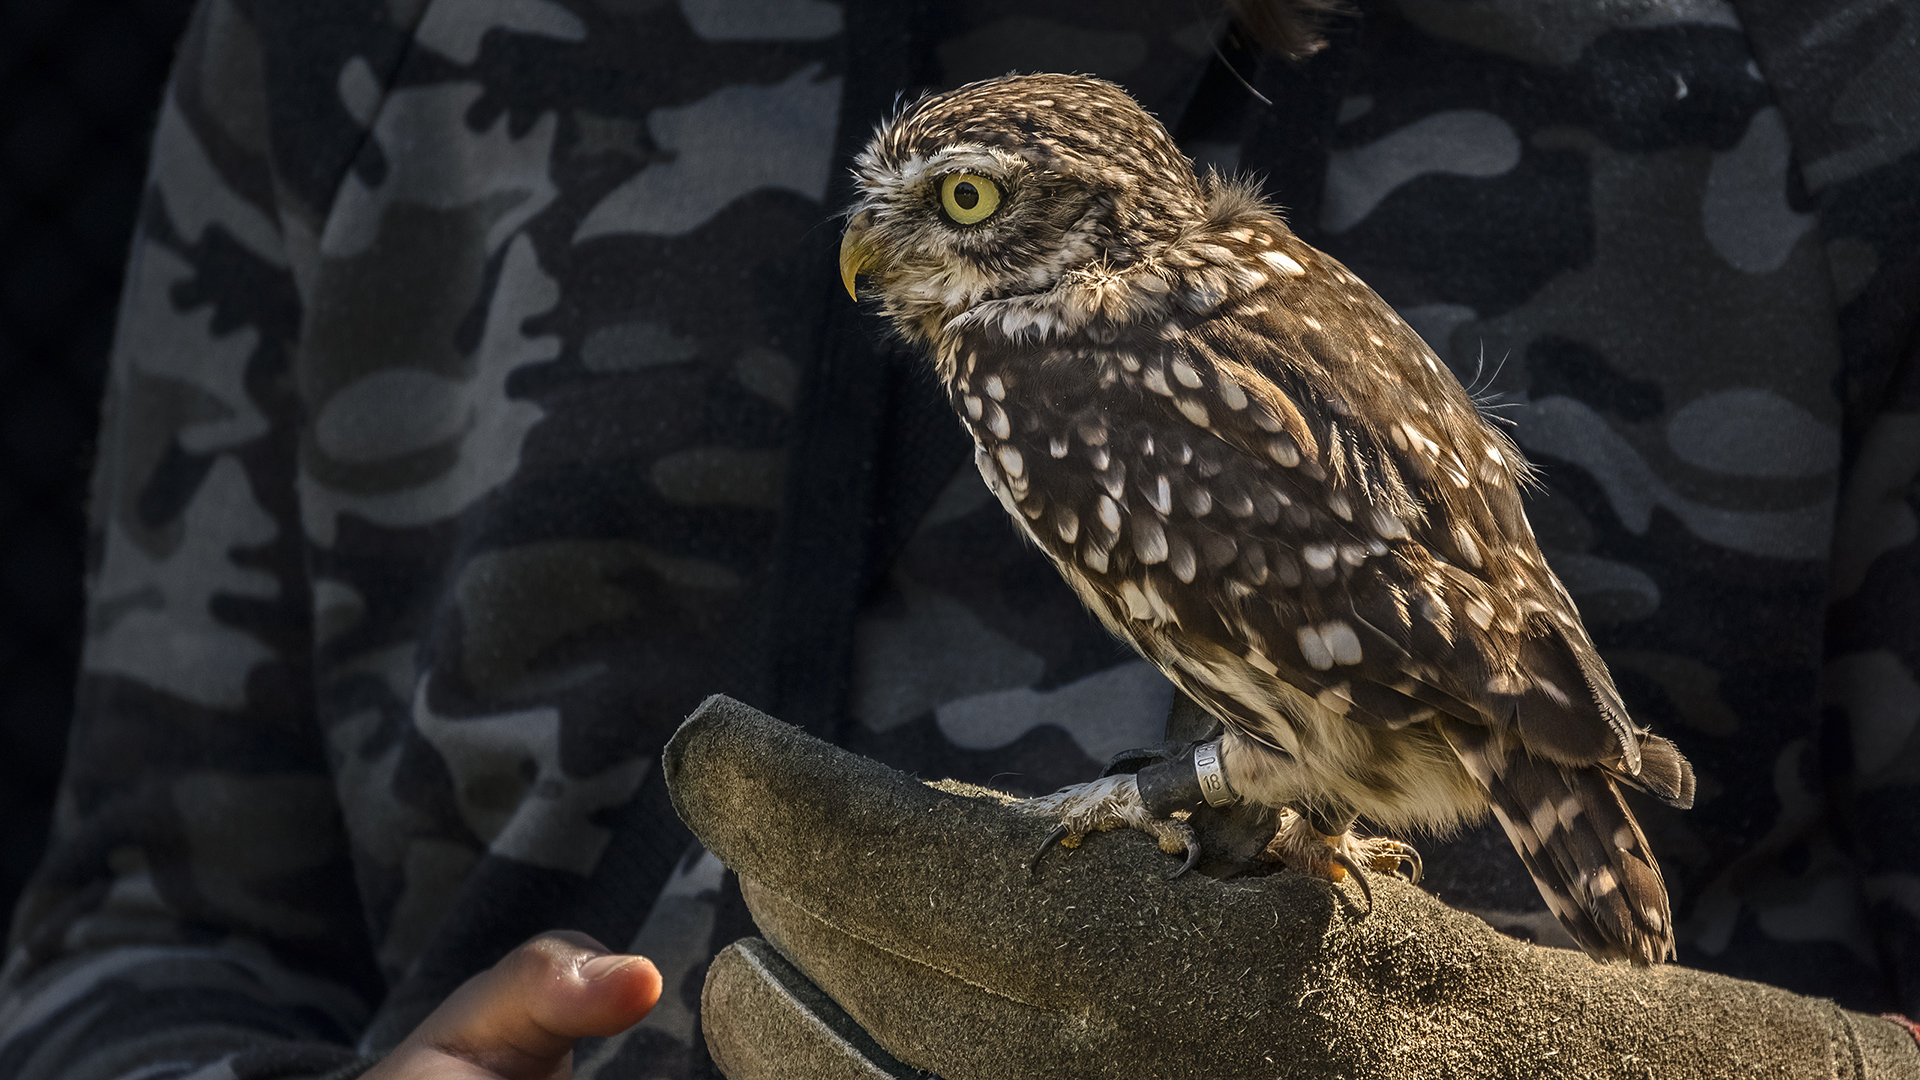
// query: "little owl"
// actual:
[[1252, 470]]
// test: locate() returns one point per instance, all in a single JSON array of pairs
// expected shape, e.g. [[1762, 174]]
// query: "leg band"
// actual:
[[1211, 770], [1185, 782]]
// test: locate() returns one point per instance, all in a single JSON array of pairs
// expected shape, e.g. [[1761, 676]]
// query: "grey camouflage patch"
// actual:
[[1555, 33], [1876, 514], [197, 197], [737, 140], [456, 28], [514, 793], [476, 427], [763, 20], [152, 617], [1745, 210], [1460, 142], [436, 160], [1107, 712]]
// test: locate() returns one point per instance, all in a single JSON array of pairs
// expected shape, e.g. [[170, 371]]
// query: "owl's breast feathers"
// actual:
[[1250, 467]]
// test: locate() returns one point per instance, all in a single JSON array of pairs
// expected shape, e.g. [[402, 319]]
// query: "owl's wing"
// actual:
[[1393, 453], [1292, 481], [1437, 573]]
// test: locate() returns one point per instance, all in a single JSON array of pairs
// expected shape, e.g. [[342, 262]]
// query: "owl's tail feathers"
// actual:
[[1664, 774], [1580, 843]]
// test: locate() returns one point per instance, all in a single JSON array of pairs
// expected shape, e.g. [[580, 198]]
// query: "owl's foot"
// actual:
[[1299, 846], [1111, 802]]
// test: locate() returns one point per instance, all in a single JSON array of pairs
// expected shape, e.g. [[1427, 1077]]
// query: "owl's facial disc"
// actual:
[[948, 222], [942, 229], [925, 206]]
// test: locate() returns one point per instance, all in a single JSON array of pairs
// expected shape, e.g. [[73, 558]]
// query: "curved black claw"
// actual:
[[1193, 859], [1353, 868], [1059, 833], [1384, 854], [1411, 856]]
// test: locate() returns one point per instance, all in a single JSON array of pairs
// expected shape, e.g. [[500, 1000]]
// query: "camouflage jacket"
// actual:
[[482, 399]]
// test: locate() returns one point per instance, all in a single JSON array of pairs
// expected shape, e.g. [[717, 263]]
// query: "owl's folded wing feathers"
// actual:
[[1353, 523]]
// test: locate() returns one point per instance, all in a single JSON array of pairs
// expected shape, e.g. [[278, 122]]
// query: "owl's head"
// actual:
[[1004, 187]]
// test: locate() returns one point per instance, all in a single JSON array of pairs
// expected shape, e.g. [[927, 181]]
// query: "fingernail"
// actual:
[[602, 966]]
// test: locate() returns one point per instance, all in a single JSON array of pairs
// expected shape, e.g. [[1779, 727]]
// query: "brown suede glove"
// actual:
[[908, 934]]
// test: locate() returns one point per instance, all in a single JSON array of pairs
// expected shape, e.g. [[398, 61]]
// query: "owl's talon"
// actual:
[[1390, 856], [1302, 846], [1352, 867], [1060, 832], [1193, 858], [1111, 802], [1409, 856]]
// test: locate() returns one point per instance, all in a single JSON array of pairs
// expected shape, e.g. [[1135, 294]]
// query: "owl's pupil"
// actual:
[[965, 195]]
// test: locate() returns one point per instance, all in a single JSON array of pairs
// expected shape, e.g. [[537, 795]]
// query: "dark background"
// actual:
[[80, 86]]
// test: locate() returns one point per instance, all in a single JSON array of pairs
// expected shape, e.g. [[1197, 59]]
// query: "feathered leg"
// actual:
[[1111, 802], [1331, 850]]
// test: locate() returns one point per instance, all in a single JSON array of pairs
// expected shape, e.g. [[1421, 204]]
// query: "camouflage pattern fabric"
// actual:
[[470, 350]]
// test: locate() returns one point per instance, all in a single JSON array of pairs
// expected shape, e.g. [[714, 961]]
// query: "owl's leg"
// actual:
[[1308, 841], [1111, 802]]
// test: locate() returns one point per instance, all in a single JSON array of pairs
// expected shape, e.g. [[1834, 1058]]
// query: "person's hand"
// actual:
[[518, 1019], [905, 932]]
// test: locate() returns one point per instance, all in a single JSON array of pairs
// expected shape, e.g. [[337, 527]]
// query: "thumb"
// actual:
[[519, 1019], [565, 985]]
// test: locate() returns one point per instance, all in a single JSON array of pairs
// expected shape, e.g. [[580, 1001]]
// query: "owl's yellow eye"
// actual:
[[968, 198]]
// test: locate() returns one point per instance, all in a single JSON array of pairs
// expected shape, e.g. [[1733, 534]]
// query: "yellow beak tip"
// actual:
[[857, 254]]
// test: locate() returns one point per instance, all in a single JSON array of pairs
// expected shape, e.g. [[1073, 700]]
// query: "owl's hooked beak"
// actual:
[[858, 253]]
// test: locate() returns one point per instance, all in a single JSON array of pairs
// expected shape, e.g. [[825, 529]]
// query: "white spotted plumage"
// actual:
[[1251, 469]]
